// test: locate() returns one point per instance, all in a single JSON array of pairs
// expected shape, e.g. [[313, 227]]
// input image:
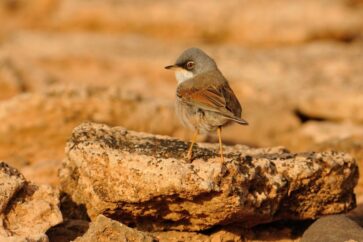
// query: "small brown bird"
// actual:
[[204, 100]]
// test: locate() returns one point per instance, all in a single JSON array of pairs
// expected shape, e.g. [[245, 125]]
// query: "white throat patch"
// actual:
[[183, 75]]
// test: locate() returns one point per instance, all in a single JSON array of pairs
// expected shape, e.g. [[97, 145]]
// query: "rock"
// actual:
[[354, 146], [105, 229], [30, 210], [323, 132], [34, 211], [319, 135], [144, 181], [334, 228], [213, 22], [175, 236], [323, 136], [62, 109], [10, 83], [343, 105], [30, 238], [111, 60], [42, 172], [278, 231], [11, 181], [224, 236], [220, 236]]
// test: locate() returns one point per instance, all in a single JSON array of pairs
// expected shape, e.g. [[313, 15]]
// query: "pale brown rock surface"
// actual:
[[278, 22], [62, 109], [105, 229], [10, 84], [28, 211], [143, 180]]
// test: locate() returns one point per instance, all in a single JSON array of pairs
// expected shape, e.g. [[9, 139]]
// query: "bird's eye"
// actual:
[[190, 65]]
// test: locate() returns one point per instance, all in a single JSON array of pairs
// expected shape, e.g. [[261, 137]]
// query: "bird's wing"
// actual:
[[211, 95]]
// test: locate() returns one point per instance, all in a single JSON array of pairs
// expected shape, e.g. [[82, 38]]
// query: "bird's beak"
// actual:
[[171, 67]]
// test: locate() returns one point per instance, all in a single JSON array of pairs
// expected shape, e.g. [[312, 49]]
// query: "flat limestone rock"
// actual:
[[144, 181], [28, 210], [105, 229]]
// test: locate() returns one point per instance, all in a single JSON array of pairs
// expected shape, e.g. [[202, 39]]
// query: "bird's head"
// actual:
[[192, 62]]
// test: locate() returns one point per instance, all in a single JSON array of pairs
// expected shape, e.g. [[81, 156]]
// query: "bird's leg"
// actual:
[[189, 155], [219, 130]]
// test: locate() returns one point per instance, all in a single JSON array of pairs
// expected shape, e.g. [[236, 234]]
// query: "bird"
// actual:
[[204, 100]]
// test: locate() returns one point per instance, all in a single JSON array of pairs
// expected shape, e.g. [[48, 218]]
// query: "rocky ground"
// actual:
[[296, 66]]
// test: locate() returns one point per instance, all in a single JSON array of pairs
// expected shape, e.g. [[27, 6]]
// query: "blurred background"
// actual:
[[296, 66]]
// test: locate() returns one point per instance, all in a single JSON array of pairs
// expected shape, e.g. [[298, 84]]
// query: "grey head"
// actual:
[[192, 62]]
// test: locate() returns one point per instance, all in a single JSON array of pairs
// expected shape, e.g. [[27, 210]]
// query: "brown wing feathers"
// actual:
[[217, 97]]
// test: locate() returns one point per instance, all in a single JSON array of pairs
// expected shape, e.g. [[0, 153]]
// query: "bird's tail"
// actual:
[[238, 120]]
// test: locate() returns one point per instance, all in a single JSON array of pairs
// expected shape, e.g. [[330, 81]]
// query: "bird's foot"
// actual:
[[189, 157], [222, 159]]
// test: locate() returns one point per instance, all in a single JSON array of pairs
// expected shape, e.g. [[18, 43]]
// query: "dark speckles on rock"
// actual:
[[9, 170], [247, 160], [110, 141]]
